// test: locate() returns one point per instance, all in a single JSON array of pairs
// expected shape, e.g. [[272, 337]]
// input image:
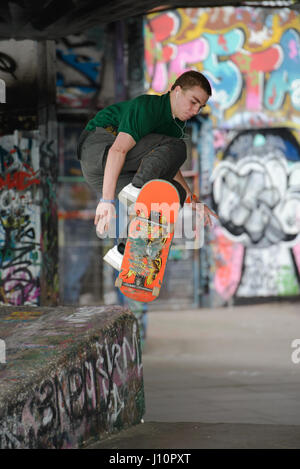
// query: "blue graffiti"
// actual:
[[224, 75], [286, 79], [82, 64]]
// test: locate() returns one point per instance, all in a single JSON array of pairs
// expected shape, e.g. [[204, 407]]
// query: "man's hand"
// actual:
[[202, 210], [105, 212], [207, 212]]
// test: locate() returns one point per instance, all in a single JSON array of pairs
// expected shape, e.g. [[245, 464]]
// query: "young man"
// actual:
[[127, 144]]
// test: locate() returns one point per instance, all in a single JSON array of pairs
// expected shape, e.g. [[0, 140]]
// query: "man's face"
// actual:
[[189, 102]]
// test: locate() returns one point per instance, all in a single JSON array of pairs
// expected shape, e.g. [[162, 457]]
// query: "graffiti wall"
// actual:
[[25, 206], [250, 56], [79, 68], [72, 385], [28, 230], [249, 166], [20, 220], [256, 191]]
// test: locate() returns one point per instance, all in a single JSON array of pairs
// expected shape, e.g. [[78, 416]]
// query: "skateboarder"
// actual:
[[129, 143]]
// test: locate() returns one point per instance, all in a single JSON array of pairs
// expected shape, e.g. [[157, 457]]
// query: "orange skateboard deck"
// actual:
[[150, 235]]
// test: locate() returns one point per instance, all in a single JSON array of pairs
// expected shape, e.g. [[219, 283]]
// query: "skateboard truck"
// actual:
[[138, 285]]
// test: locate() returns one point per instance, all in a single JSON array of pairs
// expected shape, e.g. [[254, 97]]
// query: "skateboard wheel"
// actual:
[[155, 291], [118, 282]]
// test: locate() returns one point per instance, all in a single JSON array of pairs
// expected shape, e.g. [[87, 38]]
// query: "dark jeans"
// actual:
[[155, 156]]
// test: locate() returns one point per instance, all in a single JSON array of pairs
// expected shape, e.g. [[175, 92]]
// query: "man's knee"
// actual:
[[181, 191], [183, 151], [178, 150]]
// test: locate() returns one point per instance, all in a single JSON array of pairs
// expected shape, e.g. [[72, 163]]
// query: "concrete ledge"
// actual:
[[194, 435], [71, 374]]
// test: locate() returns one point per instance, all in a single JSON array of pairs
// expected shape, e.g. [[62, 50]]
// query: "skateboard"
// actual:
[[150, 235]]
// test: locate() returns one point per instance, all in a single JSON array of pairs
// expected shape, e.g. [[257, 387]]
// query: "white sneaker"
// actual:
[[114, 258], [129, 194]]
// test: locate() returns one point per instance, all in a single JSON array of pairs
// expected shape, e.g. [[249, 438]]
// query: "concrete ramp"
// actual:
[[71, 374]]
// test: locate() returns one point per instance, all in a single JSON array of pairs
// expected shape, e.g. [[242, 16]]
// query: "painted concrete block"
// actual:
[[69, 375]]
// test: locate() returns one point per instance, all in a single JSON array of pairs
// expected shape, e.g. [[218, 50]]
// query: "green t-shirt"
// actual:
[[140, 116]]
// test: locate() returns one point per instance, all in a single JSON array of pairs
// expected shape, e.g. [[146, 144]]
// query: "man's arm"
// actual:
[[207, 212], [114, 164], [179, 178]]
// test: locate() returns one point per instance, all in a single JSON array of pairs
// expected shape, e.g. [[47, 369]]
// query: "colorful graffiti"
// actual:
[[95, 391], [256, 192], [79, 68], [49, 223], [250, 172], [20, 256], [27, 207], [250, 55]]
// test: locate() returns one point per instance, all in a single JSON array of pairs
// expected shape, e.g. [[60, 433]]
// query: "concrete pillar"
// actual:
[[28, 161], [135, 39]]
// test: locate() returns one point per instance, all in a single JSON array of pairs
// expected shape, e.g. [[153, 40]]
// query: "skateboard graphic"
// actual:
[[150, 235]]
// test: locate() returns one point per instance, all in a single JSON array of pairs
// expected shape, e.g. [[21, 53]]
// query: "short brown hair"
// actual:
[[192, 78]]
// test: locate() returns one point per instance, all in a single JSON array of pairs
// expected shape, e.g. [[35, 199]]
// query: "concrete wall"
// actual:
[[248, 143], [79, 69], [70, 375], [19, 71], [28, 154]]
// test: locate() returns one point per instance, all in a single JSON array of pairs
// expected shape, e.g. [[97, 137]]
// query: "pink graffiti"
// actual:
[[160, 78], [19, 286], [296, 252], [293, 49], [229, 262], [222, 42], [180, 59], [165, 25], [166, 61], [253, 100], [219, 139], [187, 55], [253, 67]]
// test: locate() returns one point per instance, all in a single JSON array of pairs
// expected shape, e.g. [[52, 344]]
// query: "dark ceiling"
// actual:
[[52, 19]]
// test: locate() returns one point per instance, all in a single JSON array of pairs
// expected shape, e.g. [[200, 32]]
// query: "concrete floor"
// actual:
[[219, 378]]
